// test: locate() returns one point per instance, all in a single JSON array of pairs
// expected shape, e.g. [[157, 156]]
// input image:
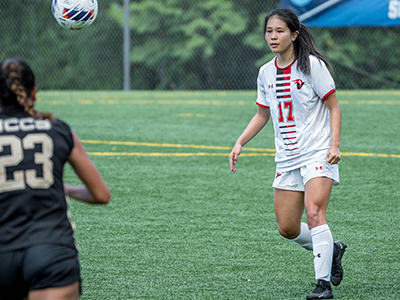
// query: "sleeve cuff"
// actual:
[[327, 94], [264, 106]]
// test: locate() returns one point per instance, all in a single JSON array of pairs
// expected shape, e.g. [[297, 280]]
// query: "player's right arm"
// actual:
[[95, 190], [256, 124]]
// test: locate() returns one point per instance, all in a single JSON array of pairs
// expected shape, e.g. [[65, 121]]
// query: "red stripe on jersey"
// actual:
[[264, 106], [286, 78], [287, 70], [330, 92], [285, 90], [287, 96], [286, 84]]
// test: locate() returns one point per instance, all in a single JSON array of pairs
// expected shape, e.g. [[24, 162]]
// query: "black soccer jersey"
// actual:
[[33, 207]]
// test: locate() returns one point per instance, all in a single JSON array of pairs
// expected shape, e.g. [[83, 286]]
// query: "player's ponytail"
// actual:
[[304, 44], [16, 84]]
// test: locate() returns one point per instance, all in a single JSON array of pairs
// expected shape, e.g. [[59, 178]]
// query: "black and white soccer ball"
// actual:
[[74, 14]]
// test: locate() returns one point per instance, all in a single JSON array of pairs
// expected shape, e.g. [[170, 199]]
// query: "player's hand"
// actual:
[[233, 157], [333, 155]]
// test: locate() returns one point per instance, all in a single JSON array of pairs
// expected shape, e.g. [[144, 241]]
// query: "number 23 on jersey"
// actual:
[[15, 156]]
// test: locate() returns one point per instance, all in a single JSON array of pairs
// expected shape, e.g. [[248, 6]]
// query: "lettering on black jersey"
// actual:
[[23, 124]]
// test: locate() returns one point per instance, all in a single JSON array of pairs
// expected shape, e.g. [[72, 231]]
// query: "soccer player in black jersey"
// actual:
[[38, 256]]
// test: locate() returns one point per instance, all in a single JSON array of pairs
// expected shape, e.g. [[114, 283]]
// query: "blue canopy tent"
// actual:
[[344, 13]]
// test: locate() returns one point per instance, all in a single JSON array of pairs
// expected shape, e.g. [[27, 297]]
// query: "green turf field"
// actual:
[[181, 226]]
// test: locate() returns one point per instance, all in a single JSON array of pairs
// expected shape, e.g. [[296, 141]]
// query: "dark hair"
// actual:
[[304, 44], [16, 84]]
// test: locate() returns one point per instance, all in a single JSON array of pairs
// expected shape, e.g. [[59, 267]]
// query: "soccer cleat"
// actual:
[[323, 290], [337, 269]]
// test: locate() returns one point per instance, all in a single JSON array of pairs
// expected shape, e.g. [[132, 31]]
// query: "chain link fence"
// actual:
[[181, 45]]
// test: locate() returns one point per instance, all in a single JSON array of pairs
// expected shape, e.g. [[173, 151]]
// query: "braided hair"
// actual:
[[304, 44], [16, 84]]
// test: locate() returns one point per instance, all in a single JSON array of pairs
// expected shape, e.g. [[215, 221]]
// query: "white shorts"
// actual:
[[296, 179]]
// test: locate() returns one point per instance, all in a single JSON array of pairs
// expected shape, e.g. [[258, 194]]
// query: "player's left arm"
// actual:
[[333, 155], [94, 190]]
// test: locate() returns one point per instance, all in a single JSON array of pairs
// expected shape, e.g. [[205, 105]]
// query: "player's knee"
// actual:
[[288, 232], [314, 218]]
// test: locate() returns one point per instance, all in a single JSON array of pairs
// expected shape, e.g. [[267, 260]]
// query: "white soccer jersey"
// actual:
[[301, 119]]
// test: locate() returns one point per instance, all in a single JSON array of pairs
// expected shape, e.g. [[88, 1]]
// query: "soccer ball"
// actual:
[[74, 14]]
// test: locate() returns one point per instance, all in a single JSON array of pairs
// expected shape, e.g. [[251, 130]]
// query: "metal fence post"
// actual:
[[127, 41]]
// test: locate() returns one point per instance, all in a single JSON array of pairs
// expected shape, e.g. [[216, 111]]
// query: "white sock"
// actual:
[[323, 251], [304, 239]]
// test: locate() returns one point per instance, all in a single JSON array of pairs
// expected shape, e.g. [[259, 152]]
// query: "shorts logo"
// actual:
[[299, 83], [318, 168], [278, 174]]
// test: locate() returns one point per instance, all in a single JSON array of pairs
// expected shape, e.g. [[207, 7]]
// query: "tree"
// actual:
[[170, 35]]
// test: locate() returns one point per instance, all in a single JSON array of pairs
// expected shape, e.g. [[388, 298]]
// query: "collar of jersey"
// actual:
[[288, 67]]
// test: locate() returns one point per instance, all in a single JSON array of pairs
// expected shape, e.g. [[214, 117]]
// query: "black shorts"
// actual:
[[35, 268]]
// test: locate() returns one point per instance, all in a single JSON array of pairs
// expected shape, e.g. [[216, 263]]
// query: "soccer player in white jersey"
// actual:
[[297, 91]]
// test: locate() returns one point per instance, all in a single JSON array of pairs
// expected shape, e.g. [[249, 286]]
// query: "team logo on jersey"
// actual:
[[299, 83]]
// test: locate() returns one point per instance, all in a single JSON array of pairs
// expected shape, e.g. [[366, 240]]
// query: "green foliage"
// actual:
[[60, 58], [181, 44], [176, 32], [364, 52]]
